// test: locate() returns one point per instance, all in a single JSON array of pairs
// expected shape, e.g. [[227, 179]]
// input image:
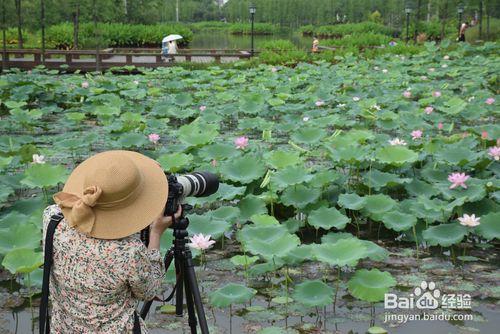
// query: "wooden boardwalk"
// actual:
[[86, 60]]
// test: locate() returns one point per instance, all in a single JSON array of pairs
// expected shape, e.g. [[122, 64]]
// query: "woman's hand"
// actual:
[[159, 226], [161, 223]]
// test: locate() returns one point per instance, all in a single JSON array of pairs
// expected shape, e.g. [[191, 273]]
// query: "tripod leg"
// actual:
[[189, 302], [179, 300], [193, 286]]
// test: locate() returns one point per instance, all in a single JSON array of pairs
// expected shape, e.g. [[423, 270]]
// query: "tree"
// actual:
[[19, 25]]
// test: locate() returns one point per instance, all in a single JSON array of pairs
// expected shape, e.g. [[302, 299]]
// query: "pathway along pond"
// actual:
[[479, 279], [217, 39]]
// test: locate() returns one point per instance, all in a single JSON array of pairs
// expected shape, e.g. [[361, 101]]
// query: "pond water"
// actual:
[[351, 316], [216, 39]]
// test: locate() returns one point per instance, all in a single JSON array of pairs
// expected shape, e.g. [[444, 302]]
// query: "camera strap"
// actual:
[[44, 318]]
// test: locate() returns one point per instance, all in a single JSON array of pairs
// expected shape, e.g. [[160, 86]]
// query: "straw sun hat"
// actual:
[[113, 194]]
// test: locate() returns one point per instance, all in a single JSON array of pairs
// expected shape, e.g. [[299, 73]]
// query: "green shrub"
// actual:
[[307, 30], [339, 30], [472, 34], [283, 58], [210, 25], [259, 29], [115, 35], [278, 45], [358, 40]]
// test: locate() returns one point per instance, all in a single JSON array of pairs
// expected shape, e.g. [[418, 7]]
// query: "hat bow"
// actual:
[[82, 214]]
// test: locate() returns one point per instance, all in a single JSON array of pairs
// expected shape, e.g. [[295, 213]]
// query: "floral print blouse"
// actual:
[[95, 284]]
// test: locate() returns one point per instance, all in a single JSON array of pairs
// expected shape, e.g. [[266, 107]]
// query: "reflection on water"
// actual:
[[214, 39]]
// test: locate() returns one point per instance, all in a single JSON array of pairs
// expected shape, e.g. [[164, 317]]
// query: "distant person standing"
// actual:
[[315, 45], [461, 34]]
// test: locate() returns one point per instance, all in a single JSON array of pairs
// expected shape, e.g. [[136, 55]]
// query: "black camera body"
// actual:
[[197, 184]]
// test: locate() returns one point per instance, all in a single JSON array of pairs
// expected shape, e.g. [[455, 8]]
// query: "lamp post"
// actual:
[[460, 11], [4, 39], [252, 15], [408, 12]]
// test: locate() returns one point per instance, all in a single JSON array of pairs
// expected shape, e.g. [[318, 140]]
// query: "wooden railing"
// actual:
[[87, 60]]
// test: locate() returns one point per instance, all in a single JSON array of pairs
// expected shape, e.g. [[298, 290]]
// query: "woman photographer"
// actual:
[[100, 267]]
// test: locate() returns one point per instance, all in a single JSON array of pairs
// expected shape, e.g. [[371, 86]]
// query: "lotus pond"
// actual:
[[340, 183]]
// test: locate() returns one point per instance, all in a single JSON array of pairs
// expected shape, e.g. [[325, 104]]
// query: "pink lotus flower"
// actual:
[[356, 99], [213, 163], [440, 126], [490, 101], [428, 110], [38, 159], [201, 242], [85, 84], [484, 135], [407, 94], [417, 134], [494, 152], [241, 142], [154, 138], [203, 108], [458, 179], [436, 93], [397, 141], [320, 103], [470, 221]]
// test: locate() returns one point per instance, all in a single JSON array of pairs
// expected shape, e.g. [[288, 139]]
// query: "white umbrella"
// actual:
[[171, 38]]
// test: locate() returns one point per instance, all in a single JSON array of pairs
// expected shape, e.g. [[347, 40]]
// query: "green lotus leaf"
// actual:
[[333, 237], [456, 155], [379, 203], [454, 106], [344, 252], [207, 226], [475, 191], [289, 176], [174, 162], [251, 205], [377, 179], [243, 260], [264, 268], [276, 102], [279, 247], [5, 161], [308, 135], [5, 192], [370, 285], [244, 169], [327, 218], [313, 293], [299, 254], [281, 159], [353, 154], [20, 235], [106, 111], [489, 227], [11, 219], [396, 155], [374, 251], [183, 99], [226, 192], [398, 221], [228, 213], [251, 103], [299, 196], [421, 188], [196, 134], [231, 294], [218, 151], [325, 178], [266, 233], [129, 140], [44, 176], [264, 220], [444, 235], [22, 260], [351, 201]]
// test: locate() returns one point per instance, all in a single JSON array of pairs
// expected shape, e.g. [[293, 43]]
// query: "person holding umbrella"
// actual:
[[169, 46]]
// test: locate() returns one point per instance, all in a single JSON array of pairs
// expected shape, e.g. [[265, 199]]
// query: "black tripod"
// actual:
[[185, 278]]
